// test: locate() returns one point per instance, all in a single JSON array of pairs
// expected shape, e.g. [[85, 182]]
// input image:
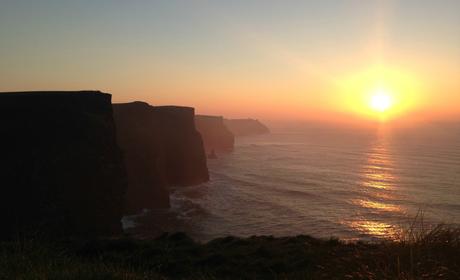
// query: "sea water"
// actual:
[[324, 181]]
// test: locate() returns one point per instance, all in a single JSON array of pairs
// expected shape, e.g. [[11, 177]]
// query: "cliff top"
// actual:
[[51, 93], [88, 100], [206, 117]]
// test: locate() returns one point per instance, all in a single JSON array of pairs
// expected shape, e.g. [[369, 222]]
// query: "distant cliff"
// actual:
[[216, 136], [245, 127], [161, 148], [61, 170]]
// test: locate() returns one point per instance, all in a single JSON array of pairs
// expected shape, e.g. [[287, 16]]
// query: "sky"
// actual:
[[265, 59]]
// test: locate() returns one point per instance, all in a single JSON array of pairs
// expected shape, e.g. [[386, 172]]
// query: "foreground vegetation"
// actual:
[[432, 254]]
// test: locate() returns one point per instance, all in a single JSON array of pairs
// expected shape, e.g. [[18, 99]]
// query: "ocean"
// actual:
[[324, 181]]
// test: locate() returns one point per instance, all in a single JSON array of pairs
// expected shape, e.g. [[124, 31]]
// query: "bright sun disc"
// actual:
[[380, 101]]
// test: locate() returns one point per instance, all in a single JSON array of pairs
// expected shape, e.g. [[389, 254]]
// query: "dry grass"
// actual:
[[420, 253]]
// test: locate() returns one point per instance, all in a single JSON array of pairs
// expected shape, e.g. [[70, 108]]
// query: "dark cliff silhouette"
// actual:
[[141, 149], [60, 167], [183, 146], [246, 127], [216, 136], [161, 148]]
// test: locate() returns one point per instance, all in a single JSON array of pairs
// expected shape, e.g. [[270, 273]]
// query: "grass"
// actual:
[[420, 253]]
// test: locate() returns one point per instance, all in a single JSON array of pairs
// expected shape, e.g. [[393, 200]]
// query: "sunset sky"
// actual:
[[241, 58]]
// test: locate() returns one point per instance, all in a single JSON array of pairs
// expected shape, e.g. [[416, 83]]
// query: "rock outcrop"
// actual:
[[246, 127], [61, 170], [216, 136], [161, 148]]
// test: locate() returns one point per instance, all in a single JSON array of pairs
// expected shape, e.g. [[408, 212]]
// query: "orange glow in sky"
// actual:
[[381, 92], [329, 60]]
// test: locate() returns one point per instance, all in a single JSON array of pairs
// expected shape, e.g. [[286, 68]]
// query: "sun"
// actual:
[[380, 100]]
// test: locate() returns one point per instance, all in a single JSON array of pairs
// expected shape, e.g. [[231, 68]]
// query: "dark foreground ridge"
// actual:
[[176, 256], [61, 170]]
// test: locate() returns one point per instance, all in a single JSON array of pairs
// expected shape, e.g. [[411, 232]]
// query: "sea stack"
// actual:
[[161, 148], [216, 136], [60, 167]]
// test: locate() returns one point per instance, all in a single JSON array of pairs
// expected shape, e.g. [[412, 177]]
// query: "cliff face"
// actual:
[[216, 136], [61, 170], [245, 127], [161, 148], [140, 145], [183, 149]]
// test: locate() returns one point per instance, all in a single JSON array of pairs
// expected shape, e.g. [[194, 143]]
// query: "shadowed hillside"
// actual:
[[432, 255]]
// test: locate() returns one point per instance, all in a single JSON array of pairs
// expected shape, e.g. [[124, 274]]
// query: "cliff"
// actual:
[[183, 150], [245, 127], [161, 148], [60, 167], [140, 145], [216, 136]]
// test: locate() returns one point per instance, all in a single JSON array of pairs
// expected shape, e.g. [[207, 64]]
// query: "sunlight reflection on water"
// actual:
[[377, 205], [378, 171], [378, 179], [378, 229]]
